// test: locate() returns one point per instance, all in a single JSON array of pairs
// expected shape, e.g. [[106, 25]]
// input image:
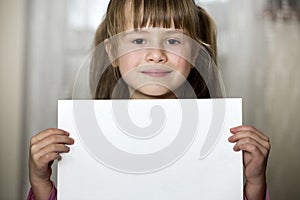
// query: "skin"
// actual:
[[256, 147], [45, 147], [151, 54]]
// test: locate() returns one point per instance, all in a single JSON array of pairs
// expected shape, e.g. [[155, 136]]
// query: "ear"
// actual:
[[108, 48]]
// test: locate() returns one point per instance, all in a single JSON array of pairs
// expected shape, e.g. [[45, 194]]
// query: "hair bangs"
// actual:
[[165, 14]]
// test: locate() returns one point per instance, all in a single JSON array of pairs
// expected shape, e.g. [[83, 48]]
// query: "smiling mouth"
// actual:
[[156, 73]]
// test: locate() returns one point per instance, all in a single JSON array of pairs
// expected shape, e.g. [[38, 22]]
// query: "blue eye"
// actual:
[[139, 41], [173, 41]]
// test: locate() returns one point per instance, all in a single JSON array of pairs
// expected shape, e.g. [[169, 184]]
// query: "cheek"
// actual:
[[126, 64], [183, 67], [129, 62], [186, 69]]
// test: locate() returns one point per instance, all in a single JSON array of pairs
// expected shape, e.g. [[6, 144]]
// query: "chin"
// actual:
[[155, 91]]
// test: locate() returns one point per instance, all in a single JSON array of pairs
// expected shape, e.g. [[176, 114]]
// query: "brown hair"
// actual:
[[185, 15]]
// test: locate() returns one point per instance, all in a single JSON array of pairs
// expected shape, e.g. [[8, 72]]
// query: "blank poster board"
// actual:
[[150, 150]]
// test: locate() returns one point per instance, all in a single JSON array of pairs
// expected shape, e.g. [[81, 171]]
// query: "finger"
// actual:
[[250, 141], [46, 133], [246, 134], [52, 139], [254, 161], [47, 158], [251, 129], [253, 151], [256, 154], [53, 148]]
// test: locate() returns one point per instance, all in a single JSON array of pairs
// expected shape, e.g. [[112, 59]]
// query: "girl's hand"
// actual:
[[256, 147], [45, 147]]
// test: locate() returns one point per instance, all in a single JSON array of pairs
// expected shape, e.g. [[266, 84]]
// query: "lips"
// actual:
[[156, 72]]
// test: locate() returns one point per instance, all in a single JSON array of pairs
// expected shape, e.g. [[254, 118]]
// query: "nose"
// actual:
[[156, 56]]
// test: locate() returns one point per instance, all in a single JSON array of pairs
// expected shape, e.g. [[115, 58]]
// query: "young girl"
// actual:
[[126, 73]]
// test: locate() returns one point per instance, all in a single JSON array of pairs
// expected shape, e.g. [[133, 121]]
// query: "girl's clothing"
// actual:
[[53, 194]]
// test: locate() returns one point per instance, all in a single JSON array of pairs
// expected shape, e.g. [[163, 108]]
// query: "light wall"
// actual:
[[12, 18]]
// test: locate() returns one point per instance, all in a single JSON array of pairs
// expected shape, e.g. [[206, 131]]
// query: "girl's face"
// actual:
[[153, 61]]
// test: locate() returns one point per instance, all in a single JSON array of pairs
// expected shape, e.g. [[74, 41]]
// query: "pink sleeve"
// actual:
[[267, 197], [52, 196]]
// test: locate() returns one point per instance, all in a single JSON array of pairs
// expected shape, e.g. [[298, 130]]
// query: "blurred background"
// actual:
[[43, 43]]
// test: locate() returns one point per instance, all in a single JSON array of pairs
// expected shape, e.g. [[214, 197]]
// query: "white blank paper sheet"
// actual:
[[150, 150]]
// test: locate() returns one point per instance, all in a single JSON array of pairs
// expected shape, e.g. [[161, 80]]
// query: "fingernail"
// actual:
[[236, 148]]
